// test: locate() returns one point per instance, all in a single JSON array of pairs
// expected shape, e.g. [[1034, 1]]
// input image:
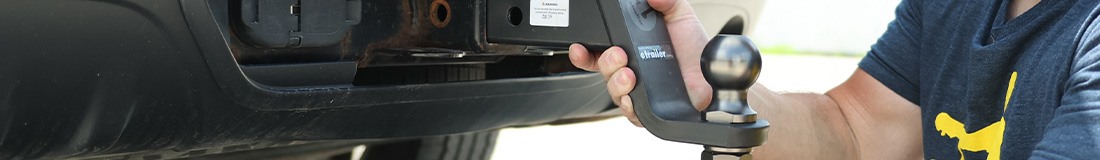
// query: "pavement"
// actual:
[[617, 139]]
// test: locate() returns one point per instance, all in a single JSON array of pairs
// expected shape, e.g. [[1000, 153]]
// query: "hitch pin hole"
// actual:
[[515, 16], [442, 13]]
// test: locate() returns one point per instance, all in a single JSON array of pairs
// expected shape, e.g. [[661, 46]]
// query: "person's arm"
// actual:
[[862, 118], [1074, 132], [871, 115], [859, 119]]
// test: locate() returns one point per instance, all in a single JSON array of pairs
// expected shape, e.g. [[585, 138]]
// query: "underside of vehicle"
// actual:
[[243, 79]]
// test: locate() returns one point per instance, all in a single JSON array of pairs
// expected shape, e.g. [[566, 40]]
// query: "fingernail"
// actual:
[[619, 57], [695, 100], [603, 61], [621, 80], [625, 101], [618, 78], [572, 56], [613, 58]]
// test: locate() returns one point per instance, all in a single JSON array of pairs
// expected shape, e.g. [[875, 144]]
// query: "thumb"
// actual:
[[688, 39], [674, 10], [686, 31], [699, 90]]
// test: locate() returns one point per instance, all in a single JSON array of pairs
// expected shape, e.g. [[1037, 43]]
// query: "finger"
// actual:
[[689, 41], [621, 82], [673, 9], [690, 38], [628, 111], [582, 59], [611, 60], [664, 6], [619, 86]]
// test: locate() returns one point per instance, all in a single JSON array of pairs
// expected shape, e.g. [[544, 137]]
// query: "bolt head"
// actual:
[[731, 157], [710, 155], [727, 117]]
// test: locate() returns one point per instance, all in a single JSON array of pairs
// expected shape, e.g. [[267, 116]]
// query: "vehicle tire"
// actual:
[[465, 146]]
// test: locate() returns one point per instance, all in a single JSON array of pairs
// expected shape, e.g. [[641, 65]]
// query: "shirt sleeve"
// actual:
[[893, 58], [1074, 132]]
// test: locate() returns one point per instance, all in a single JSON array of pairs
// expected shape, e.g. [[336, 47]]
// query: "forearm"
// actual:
[[859, 119], [803, 126]]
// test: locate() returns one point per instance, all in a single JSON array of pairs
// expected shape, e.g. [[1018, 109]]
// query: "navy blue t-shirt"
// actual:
[[993, 87]]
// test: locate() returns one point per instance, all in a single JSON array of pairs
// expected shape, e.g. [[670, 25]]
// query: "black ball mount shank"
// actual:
[[728, 128]]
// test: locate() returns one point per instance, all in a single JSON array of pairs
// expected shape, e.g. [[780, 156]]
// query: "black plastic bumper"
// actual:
[[81, 78]]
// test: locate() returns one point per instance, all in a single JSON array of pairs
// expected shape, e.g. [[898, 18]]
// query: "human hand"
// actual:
[[688, 40]]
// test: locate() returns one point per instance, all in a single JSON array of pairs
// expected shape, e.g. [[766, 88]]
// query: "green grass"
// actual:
[[791, 51]]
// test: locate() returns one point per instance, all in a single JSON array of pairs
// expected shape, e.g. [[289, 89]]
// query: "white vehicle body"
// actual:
[[728, 16]]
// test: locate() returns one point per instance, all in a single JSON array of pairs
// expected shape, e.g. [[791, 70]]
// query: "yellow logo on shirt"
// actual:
[[987, 139]]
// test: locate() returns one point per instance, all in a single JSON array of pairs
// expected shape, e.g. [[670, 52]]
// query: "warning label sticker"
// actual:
[[550, 13]]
